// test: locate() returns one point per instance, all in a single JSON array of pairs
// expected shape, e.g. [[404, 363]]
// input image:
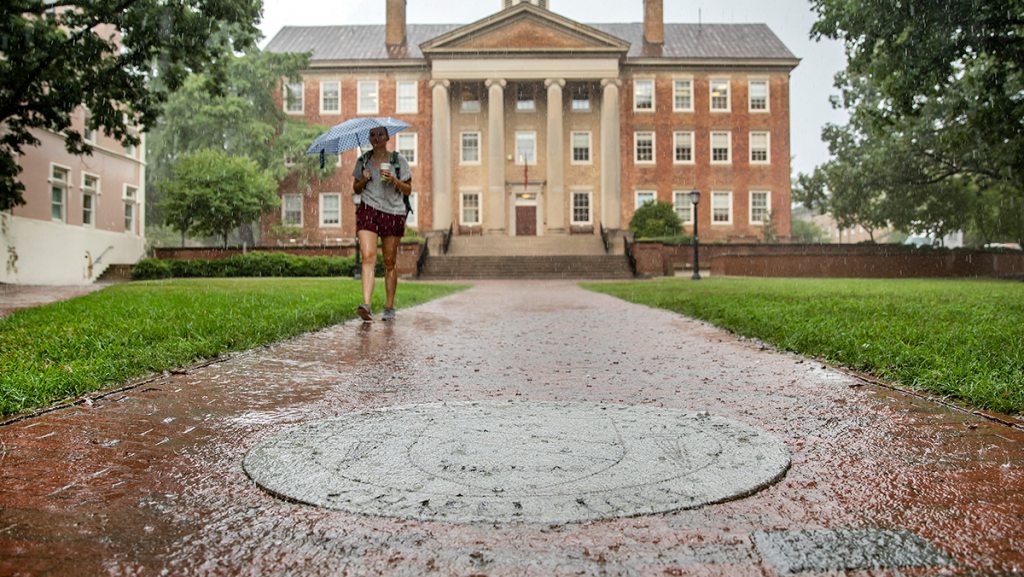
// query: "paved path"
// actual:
[[150, 481], [14, 297]]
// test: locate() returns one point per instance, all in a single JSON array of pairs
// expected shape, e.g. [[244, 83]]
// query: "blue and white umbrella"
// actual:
[[353, 133]]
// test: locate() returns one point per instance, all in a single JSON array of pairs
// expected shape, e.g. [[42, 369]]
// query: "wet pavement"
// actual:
[[14, 297], [150, 480]]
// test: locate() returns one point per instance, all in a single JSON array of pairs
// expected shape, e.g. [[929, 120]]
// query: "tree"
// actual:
[[655, 219], [807, 232], [119, 58], [212, 193]]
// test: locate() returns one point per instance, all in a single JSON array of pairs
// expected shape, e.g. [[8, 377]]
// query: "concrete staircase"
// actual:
[[526, 257]]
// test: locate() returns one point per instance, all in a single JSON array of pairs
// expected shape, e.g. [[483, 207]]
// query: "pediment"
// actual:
[[524, 28]]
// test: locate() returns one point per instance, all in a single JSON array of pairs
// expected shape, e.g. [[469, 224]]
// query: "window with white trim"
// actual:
[[88, 133], [131, 201], [90, 188], [469, 99], [580, 147], [470, 148], [580, 98], [683, 206], [469, 208], [526, 147], [291, 210], [682, 145], [759, 146], [758, 95], [645, 197], [526, 99], [643, 147], [581, 207], [294, 97], [410, 219], [59, 180], [719, 95], [760, 201], [330, 209], [721, 144], [682, 95], [368, 102], [406, 97], [330, 97], [643, 95], [721, 207], [406, 145]]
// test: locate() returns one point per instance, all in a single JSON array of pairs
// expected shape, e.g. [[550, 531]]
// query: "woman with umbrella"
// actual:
[[382, 181]]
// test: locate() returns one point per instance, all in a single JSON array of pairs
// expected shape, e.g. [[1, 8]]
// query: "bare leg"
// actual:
[[390, 269], [368, 251]]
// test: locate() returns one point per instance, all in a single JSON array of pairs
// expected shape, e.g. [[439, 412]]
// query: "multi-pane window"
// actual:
[[721, 207], [330, 97], [525, 99], [759, 202], [759, 147], [90, 186], [58, 192], [758, 95], [405, 144], [682, 143], [581, 207], [330, 209], [643, 147], [368, 102], [470, 148], [581, 147], [88, 133], [469, 99], [526, 147], [682, 95], [291, 210], [643, 95], [410, 219], [469, 212], [294, 96], [683, 206], [720, 94], [721, 143], [645, 197], [406, 97], [130, 204], [580, 98]]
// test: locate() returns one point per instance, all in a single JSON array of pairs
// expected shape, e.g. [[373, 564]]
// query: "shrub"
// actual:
[[253, 264], [655, 219], [151, 268]]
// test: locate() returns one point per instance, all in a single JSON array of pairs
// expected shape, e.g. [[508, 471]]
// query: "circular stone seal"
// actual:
[[544, 462]]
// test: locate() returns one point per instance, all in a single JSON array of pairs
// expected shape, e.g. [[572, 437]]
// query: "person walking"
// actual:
[[382, 182]]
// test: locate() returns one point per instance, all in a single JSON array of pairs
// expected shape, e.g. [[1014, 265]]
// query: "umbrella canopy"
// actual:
[[352, 133]]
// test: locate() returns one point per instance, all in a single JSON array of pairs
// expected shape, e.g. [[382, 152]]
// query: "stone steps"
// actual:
[[547, 245], [527, 267]]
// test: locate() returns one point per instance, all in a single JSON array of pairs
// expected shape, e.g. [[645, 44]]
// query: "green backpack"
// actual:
[[365, 159]]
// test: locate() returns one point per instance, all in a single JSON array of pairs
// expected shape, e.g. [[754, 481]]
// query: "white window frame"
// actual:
[[637, 194], [472, 104], [323, 90], [580, 104], [573, 147], [636, 147], [479, 207], [463, 149], [92, 192], [675, 146], [323, 210], [767, 206], [88, 134], [715, 194], [681, 198], [399, 100], [284, 209], [65, 185], [365, 100], [675, 93], [403, 149], [637, 83], [750, 95], [728, 94], [301, 98], [767, 147], [590, 207], [131, 204], [410, 218], [526, 104], [728, 146], [530, 135]]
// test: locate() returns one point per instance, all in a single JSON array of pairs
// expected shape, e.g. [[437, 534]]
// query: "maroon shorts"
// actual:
[[382, 223]]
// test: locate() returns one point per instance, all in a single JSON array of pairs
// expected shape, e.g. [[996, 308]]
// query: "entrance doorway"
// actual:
[[526, 220]]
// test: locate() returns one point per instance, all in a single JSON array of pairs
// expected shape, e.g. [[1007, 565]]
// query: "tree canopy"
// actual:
[[655, 219], [119, 58]]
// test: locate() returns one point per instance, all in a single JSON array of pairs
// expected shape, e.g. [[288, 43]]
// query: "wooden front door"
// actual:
[[526, 221]]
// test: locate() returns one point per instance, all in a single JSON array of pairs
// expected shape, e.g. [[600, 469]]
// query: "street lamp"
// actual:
[[695, 199]]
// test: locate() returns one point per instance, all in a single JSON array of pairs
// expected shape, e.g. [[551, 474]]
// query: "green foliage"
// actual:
[[211, 193], [58, 58], [253, 264], [911, 332], [655, 219], [805, 231]]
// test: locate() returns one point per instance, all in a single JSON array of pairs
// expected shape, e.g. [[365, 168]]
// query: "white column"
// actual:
[[495, 220], [441, 152], [611, 204], [555, 192]]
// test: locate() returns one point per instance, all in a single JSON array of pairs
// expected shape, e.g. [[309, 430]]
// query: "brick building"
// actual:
[[529, 123]]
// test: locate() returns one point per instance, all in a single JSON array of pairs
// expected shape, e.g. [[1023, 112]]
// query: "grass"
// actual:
[[959, 339], [126, 331]]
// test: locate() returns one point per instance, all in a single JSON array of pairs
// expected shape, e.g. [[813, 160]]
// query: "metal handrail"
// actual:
[[422, 260], [447, 238], [604, 238], [629, 254]]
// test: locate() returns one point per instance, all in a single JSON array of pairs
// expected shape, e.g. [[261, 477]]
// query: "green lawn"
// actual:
[[962, 339], [130, 330]]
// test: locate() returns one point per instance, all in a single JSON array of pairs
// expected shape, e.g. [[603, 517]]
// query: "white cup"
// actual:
[[385, 167], [357, 199]]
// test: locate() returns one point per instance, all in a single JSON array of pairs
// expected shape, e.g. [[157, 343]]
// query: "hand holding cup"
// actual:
[[385, 172]]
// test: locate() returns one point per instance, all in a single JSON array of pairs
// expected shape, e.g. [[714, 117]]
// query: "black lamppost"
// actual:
[[695, 199]]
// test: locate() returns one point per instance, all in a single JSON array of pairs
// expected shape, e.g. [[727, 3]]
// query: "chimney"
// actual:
[[654, 22], [394, 34]]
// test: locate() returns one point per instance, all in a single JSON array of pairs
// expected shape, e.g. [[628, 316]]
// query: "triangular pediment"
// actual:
[[524, 28]]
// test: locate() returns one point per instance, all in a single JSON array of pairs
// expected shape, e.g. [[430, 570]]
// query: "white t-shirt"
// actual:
[[383, 195]]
